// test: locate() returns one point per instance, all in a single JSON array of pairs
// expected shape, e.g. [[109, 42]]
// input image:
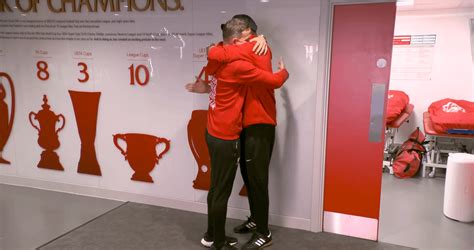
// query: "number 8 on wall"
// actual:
[[42, 72]]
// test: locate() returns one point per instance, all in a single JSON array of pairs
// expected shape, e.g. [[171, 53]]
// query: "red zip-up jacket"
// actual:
[[229, 91], [260, 105]]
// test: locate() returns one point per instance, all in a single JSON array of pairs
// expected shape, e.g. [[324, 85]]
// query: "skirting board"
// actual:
[[198, 207]]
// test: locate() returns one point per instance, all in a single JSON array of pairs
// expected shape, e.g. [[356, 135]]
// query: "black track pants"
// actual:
[[257, 146], [224, 160]]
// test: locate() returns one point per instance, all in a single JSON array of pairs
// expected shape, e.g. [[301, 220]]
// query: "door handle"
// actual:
[[377, 105]]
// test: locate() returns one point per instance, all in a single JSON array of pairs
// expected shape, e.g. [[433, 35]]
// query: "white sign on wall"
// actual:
[[412, 57]]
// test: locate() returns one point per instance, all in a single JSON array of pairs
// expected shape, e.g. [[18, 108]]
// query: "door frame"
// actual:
[[321, 111]]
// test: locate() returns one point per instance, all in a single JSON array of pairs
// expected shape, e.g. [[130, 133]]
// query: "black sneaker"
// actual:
[[246, 227], [226, 246], [258, 241], [208, 241]]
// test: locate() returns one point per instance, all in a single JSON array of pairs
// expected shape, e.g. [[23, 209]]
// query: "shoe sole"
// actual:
[[267, 245], [208, 244]]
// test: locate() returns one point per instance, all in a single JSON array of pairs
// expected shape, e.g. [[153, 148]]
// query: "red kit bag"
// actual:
[[397, 102], [449, 114], [408, 159]]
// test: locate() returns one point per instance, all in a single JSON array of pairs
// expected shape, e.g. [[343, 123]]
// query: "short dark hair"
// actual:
[[233, 29], [250, 23]]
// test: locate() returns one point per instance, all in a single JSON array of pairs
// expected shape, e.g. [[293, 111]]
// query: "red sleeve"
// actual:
[[223, 54], [212, 67], [264, 61], [230, 53], [243, 72]]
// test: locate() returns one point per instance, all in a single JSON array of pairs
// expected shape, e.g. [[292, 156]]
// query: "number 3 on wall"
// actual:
[[135, 74], [42, 72], [84, 72]]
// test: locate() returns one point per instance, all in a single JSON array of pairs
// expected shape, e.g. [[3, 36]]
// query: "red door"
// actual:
[[360, 71]]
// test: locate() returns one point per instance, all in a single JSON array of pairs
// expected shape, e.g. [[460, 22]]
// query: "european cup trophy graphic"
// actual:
[[6, 120], [141, 153], [86, 107], [48, 137]]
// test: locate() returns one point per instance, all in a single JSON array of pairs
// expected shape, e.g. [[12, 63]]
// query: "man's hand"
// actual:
[[281, 64], [260, 48], [199, 86]]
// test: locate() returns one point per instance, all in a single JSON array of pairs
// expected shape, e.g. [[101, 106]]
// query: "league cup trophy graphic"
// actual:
[[141, 153], [48, 135], [198, 145], [6, 121], [86, 106]]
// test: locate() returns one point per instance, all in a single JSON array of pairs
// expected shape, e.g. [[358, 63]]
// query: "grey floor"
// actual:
[[30, 217], [412, 215], [139, 226]]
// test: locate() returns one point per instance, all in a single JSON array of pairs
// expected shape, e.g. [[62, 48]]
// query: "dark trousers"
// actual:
[[224, 160], [257, 146]]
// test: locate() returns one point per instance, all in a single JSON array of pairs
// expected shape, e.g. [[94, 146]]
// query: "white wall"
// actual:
[[452, 75], [163, 108]]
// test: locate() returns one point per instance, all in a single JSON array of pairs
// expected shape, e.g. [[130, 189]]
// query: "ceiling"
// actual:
[[435, 4]]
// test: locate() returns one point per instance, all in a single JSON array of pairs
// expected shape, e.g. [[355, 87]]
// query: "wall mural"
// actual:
[[98, 66], [141, 153], [86, 105], [48, 137], [6, 121]]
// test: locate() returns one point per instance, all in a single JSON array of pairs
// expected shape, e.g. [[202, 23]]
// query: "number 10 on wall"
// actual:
[[139, 74]]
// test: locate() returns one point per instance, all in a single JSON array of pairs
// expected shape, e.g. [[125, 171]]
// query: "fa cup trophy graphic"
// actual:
[[48, 135]]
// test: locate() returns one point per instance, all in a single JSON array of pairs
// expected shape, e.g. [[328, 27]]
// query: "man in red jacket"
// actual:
[[257, 137], [225, 125]]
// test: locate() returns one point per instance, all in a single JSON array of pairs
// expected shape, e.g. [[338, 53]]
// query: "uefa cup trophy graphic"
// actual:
[[198, 146], [86, 107], [6, 124], [48, 135], [141, 153]]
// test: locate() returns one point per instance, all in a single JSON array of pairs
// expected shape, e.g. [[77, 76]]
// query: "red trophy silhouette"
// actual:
[[48, 135], [141, 153], [6, 124], [198, 145], [86, 105], [243, 191]]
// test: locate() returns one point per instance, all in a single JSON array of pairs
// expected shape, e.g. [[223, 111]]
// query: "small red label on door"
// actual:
[[402, 40]]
